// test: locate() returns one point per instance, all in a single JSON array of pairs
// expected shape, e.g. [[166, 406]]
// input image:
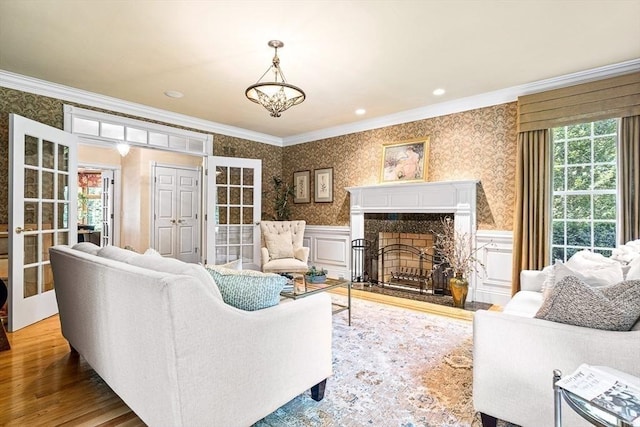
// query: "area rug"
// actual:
[[391, 367]]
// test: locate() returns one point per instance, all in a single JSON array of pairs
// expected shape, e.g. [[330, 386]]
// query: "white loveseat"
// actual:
[[514, 355], [177, 355]]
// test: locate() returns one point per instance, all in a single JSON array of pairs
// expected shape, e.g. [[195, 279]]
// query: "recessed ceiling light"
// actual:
[[438, 92], [361, 111], [173, 94]]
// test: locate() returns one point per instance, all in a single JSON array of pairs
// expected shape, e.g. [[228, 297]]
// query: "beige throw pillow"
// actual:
[[279, 245]]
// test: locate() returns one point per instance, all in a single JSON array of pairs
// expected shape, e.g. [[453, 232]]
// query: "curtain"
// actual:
[[629, 167], [533, 203]]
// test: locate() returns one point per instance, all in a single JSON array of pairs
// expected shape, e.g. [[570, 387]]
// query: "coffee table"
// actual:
[[309, 289]]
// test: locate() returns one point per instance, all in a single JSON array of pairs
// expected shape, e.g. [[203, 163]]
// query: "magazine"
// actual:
[[616, 394]]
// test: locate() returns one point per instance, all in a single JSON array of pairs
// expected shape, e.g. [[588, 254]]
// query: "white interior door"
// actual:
[[176, 227], [43, 198], [234, 208]]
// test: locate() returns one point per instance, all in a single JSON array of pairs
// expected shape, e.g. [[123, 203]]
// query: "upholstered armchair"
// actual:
[[282, 250]]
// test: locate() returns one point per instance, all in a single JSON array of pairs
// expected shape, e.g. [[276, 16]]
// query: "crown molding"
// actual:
[[65, 93], [470, 103]]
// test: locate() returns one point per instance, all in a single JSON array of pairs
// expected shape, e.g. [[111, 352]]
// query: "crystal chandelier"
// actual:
[[277, 95]]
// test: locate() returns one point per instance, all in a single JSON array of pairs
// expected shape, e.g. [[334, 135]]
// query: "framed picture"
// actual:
[[301, 187], [405, 161], [323, 185]]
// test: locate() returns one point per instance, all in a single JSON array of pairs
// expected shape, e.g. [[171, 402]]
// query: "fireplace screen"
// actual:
[[399, 266]]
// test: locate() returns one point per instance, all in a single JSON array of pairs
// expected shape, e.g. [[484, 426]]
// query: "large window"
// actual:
[[584, 188]]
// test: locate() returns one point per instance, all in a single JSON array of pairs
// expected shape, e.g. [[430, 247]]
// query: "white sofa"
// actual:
[[177, 355], [514, 355]]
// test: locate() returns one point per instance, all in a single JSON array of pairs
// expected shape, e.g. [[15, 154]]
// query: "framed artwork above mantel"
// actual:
[[405, 161]]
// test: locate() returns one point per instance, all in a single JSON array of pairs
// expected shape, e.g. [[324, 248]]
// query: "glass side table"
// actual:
[[590, 411]]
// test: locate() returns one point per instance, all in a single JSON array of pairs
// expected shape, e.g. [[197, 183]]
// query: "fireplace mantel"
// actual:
[[452, 197], [455, 197]]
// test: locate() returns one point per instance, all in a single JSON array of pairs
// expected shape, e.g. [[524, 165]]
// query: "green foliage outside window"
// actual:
[[584, 188]]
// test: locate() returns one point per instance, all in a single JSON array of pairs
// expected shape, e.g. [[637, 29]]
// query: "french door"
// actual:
[[43, 198], [233, 210]]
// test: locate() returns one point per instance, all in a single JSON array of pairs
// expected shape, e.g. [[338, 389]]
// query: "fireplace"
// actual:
[[410, 209]]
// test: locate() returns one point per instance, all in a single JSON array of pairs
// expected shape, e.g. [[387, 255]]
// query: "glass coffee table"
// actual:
[[302, 288]]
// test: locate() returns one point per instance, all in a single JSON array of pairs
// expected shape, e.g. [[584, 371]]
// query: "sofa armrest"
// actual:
[[301, 253], [532, 280], [265, 255], [514, 358]]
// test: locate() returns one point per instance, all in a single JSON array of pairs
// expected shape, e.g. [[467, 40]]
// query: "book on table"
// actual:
[[606, 388]]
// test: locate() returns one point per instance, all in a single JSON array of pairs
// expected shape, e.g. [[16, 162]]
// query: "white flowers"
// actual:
[[457, 250]]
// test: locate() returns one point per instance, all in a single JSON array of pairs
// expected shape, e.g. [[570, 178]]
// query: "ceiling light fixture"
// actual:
[[438, 92], [123, 148], [278, 95], [361, 111]]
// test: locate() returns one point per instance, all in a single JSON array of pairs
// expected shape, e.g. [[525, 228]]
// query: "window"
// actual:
[[584, 188]]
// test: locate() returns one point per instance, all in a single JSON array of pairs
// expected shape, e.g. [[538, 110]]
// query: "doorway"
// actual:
[[98, 201]]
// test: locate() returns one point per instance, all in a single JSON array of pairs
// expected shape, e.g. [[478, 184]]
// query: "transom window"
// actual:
[[584, 188]]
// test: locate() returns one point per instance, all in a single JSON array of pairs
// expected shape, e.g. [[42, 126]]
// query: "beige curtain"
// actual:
[[533, 203], [629, 167]]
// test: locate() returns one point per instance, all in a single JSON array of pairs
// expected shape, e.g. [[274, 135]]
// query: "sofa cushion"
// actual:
[[117, 254], [174, 266], [87, 247], [247, 289], [280, 245], [574, 302]]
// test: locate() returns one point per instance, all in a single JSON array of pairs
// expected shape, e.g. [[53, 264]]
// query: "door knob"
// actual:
[[20, 229], [173, 221]]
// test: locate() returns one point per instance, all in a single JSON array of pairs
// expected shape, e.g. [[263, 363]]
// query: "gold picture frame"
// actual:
[[301, 187], [323, 185], [405, 161]]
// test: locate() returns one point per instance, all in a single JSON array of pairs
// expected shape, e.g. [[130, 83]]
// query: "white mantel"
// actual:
[[455, 197]]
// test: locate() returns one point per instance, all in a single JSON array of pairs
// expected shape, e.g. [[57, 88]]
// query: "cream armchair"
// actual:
[[282, 250]]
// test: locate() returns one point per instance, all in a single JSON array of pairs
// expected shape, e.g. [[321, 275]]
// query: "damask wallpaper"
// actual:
[[477, 144]]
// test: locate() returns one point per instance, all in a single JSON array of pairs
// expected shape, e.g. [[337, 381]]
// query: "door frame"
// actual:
[[117, 195]]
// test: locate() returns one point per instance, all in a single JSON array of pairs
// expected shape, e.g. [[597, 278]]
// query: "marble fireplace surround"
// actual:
[[446, 197]]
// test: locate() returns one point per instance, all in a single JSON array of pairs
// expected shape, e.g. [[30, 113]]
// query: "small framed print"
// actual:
[[323, 182], [301, 187]]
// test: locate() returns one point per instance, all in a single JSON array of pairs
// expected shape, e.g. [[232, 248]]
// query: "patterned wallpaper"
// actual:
[[477, 144]]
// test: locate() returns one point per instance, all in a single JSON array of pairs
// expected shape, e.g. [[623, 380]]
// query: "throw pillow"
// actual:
[[279, 245], [231, 265], [117, 254], [247, 289], [613, 308], [152, 252], [88, 247], [634, 270], [596, 275]]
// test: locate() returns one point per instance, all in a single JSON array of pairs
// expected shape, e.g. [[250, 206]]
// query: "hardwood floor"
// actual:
[[43, 384]]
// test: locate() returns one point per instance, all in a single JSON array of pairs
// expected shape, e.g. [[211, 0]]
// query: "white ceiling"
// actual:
[[384, 56]]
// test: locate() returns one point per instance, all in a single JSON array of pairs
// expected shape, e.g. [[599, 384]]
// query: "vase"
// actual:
[[316, 279], [459, 289]]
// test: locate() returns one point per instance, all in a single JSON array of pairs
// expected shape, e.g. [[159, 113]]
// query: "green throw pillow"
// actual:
[[247, 289]]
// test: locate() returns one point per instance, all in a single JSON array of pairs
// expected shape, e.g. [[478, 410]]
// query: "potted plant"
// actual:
[[458, 251], [282, 194], [314, 275]]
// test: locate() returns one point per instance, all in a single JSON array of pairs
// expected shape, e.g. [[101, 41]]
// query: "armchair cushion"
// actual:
[[279, 245], [247, 289], [574, 302]]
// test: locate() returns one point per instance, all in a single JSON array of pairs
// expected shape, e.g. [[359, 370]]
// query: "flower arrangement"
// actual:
[[457, 250]]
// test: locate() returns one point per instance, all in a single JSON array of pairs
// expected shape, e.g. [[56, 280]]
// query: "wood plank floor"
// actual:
[[43, 384]]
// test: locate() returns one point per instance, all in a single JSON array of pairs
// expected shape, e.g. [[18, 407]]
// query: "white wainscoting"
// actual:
[[329, 248], [494, 284]]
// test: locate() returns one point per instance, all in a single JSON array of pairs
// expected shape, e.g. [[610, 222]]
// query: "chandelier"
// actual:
[[277, 95]]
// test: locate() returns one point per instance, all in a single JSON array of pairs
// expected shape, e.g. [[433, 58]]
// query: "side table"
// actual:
[[590, 411]]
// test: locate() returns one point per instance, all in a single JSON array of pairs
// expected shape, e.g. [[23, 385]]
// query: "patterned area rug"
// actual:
[[392, 367]]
